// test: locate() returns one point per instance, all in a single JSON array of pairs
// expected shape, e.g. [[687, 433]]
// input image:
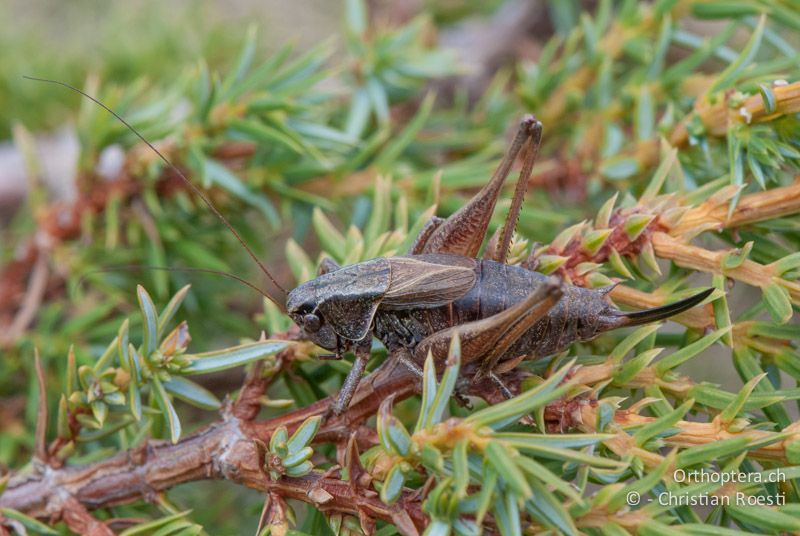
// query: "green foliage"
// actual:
[[290, 455], [99, 41], [124, 375], [668, 164], [171, 524]]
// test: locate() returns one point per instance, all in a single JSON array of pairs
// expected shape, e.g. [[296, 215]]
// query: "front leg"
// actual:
[[352, 380]]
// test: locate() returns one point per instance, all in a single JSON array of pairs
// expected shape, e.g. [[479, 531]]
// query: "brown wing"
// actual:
[[428, 280]]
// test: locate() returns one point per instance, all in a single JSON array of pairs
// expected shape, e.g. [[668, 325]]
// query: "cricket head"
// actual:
[[302, 306], [336, 309]]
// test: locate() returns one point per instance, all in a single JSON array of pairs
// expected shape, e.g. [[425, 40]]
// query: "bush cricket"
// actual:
[[415, 304]]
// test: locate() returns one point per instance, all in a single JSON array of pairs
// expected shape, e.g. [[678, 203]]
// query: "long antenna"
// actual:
[[123, 267], [189, 183]]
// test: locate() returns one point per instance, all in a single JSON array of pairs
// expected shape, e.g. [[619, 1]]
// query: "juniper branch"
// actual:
[[224, 450]]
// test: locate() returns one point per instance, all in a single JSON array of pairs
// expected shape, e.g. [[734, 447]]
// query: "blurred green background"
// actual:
[[127, 41]]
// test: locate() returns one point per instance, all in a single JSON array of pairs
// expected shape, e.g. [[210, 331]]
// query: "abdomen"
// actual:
[[498, 286]]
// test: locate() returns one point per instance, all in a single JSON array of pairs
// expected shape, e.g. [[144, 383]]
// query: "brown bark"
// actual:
[[225, 450]]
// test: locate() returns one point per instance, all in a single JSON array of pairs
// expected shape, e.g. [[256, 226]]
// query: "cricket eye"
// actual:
[[311, 323]]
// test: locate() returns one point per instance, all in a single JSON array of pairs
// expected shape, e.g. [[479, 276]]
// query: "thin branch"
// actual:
[[37, 284], [751, 208], [719, 116], [224, 450], [690, 434], [703, 260], [248, 403], [40, 449], [80, 521]]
